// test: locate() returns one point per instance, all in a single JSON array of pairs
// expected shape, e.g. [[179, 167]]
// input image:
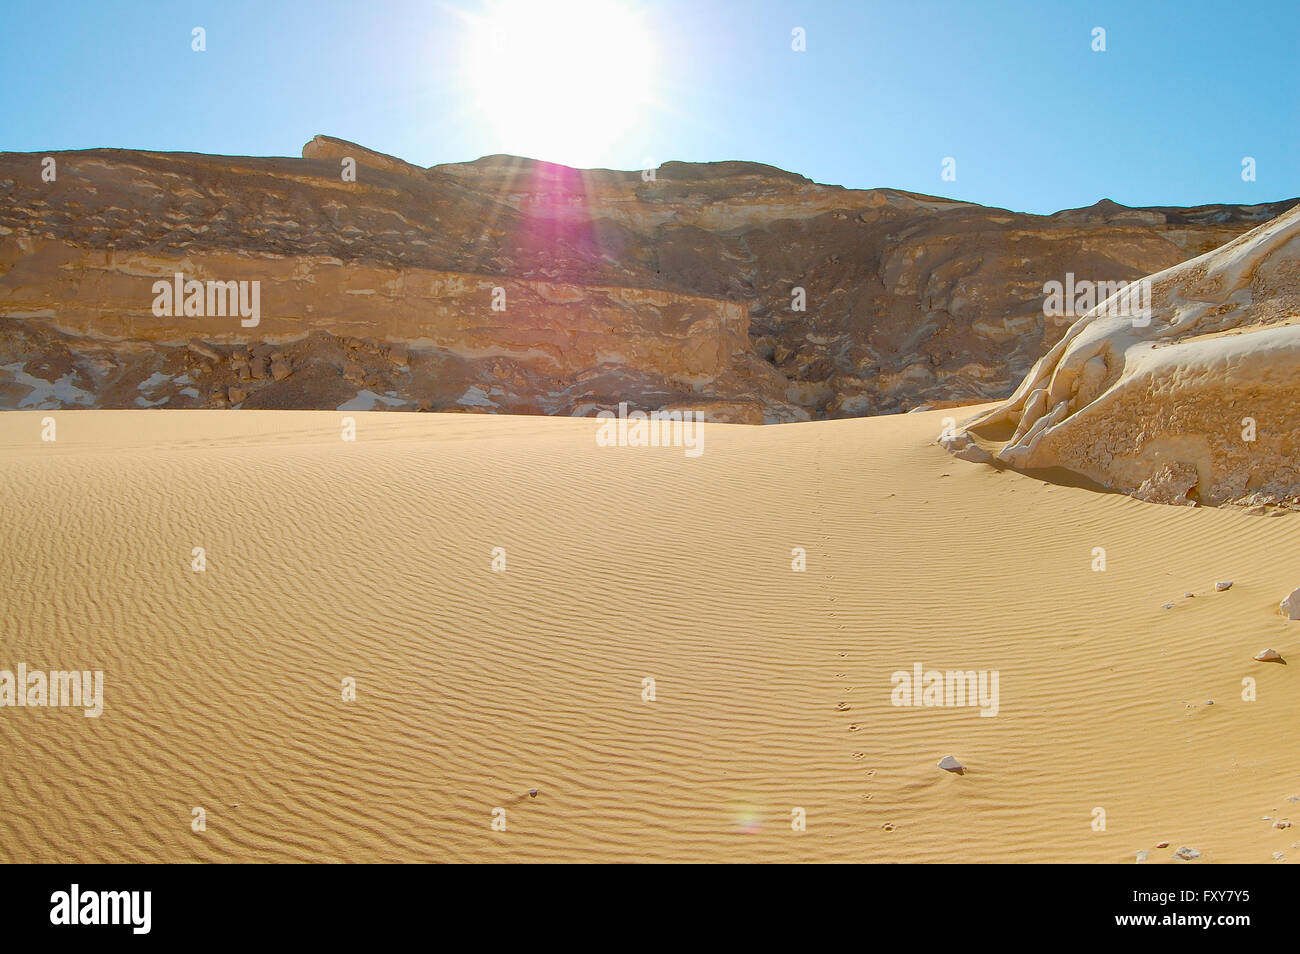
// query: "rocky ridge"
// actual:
[[677, 286]]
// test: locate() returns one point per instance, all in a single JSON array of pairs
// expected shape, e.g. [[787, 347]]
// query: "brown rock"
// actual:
[[203, 351], [911, 299], [327, 147]]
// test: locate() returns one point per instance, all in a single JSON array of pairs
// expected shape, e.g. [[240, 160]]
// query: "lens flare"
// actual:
[[563, 81]]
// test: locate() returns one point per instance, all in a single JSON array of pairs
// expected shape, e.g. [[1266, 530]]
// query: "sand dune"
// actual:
[[372, 560]]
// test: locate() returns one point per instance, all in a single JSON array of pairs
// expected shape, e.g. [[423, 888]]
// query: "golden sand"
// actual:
[[372, 560]]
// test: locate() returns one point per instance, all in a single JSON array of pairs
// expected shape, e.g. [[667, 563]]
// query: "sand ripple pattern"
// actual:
[[372, 560]]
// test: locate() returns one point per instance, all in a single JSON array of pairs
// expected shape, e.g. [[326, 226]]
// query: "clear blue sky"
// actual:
[[1035, 119]]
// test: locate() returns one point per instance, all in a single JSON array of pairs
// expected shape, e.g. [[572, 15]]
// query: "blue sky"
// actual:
[[1012, 91]]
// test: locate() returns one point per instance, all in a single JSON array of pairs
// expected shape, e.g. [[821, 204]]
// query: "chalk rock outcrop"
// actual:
[[1194, 403]]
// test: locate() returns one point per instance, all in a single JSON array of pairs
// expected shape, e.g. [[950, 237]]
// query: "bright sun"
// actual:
[[561, 80]]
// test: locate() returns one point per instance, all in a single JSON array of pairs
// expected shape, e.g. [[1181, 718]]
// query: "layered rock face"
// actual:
[[518, 286], [1193, 402]]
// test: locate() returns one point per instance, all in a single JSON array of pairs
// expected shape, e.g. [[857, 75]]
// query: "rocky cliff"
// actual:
[[518, 286]]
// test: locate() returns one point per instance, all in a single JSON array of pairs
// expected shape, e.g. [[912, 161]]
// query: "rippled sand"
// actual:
[[371, 560]]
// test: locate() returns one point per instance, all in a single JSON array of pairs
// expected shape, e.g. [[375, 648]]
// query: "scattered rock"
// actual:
[[280, 370], [1290, 607], [960, 445], [1163, 844], [532, 793], [236, 395], [950, 764], [1170, 484], [1187, 854], [1269, 655], [204, 351], [1222, 585]]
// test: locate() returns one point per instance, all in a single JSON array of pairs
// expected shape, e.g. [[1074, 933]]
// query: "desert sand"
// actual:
[[372, 560]]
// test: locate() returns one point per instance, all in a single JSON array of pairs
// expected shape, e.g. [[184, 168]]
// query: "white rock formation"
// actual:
[[1290, 607], [1195, 404]]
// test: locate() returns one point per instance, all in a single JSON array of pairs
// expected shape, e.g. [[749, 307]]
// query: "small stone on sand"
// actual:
[[1222, 585], [1290, 606], [950, 764], [1268, 655], [1187, 854]]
